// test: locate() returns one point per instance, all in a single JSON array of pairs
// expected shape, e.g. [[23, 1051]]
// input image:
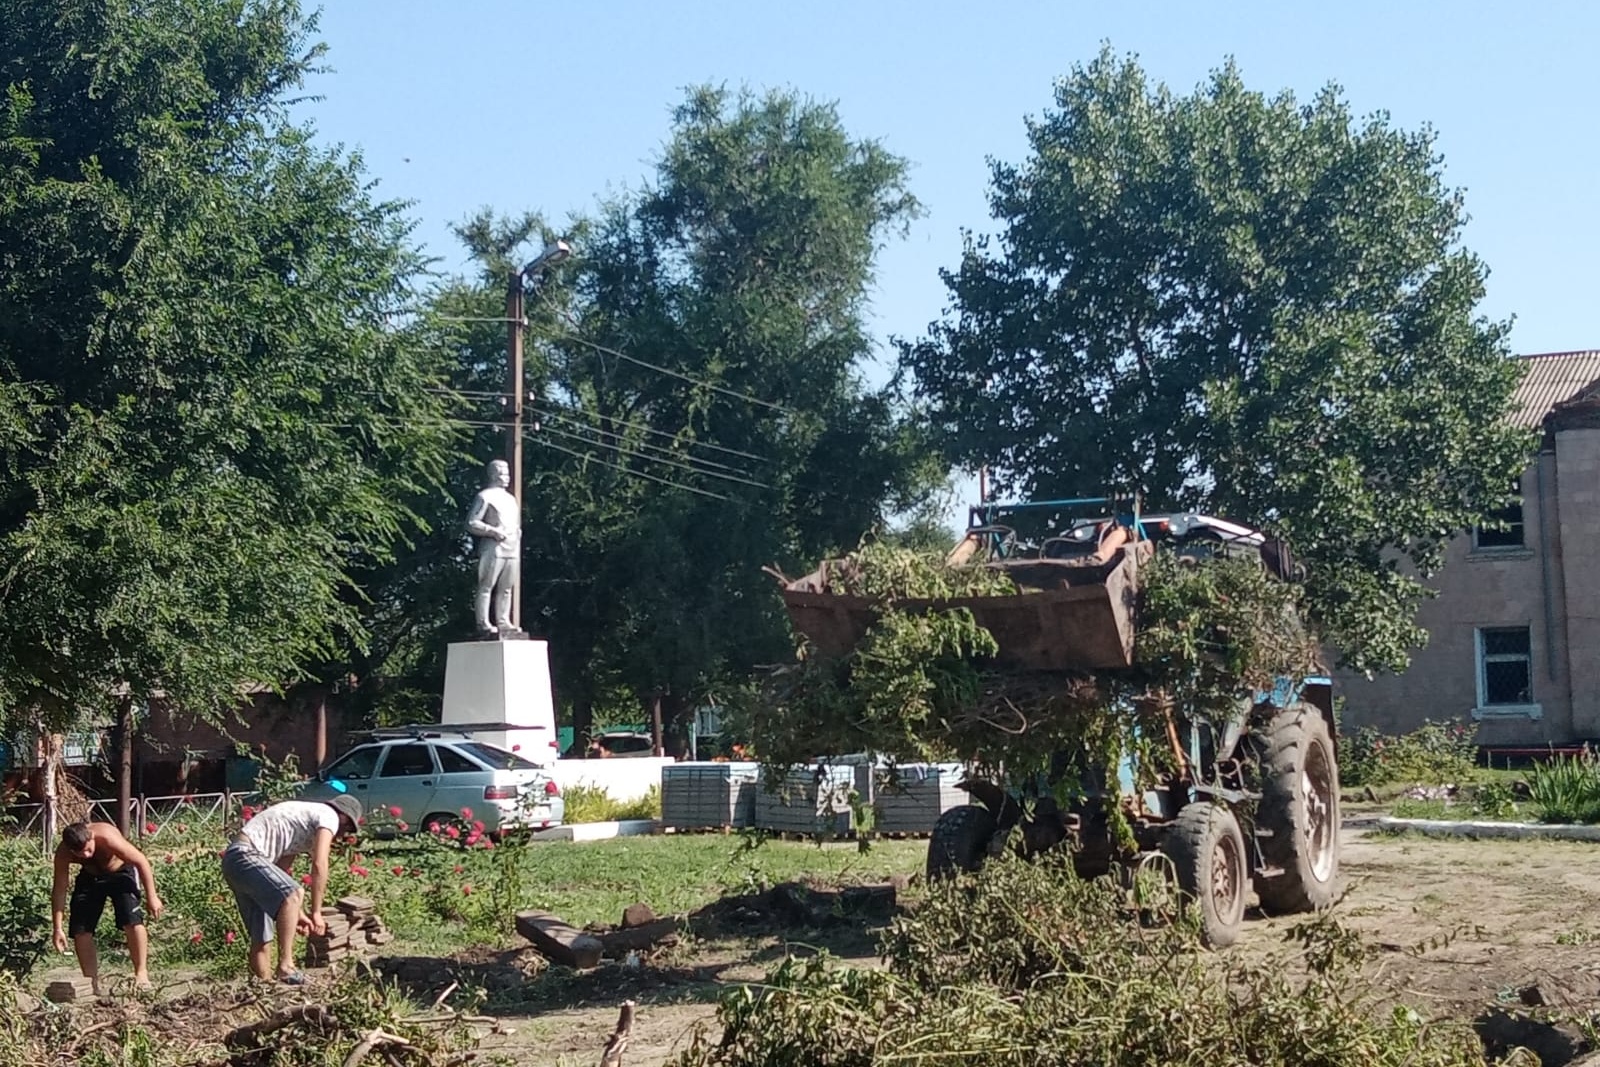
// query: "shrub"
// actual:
[[24, 907], [1436, 753], [590, 804], [1567, 788], [1026, 964]]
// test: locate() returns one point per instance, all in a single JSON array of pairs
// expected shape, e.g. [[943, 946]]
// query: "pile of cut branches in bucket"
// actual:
[[921, 685]]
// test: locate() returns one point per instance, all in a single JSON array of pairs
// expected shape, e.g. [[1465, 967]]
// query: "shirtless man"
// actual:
[[114, 870]]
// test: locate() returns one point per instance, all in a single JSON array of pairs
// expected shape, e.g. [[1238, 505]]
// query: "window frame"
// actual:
[[472, 766], [1520, 526], [331, 770], [1529, 708], [382, 769]]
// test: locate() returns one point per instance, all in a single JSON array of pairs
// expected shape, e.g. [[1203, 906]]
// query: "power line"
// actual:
[[555, 411], [590, 456], [746, 397], [586, 427], [652, 459], [669, 372]]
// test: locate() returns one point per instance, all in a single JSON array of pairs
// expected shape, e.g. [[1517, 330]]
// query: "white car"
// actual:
[[445, 779]]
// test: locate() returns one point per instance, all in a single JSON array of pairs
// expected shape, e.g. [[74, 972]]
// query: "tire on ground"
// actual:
[[960, 841], [1208, 853], [1297, 818]]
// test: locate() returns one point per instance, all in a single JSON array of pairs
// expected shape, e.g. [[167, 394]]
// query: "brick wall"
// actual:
[[176, 754], [1490, 588], [1578, 450]]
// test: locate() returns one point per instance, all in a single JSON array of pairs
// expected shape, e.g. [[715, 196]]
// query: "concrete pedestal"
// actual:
[[501, 689]]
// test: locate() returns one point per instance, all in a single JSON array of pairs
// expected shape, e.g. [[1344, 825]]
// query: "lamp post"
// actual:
[[523, 281]]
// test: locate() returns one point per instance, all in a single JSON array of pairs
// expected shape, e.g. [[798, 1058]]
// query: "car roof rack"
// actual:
[[442, 730]]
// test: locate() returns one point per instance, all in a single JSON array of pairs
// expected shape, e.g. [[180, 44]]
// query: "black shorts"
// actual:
[[90, 893]]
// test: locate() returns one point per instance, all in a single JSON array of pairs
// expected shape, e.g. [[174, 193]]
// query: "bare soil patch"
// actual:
[[1490, 932]]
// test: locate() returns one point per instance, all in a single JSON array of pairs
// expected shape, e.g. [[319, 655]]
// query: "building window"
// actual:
[[1505, 667], [1504, 528]]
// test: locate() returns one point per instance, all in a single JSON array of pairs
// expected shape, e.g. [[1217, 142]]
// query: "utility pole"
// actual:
[[514, 388], [530, 276]]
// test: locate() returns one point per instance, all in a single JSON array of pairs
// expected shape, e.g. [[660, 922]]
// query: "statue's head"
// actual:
[[500, 473]]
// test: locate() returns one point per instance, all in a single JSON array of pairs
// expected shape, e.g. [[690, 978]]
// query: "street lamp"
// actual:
[[526, 280]]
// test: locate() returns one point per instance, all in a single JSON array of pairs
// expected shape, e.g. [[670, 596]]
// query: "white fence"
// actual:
[[623, 778]]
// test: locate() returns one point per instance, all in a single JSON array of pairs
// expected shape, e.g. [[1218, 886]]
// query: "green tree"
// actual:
[[702, 411], [212, 415], [1245, 305]]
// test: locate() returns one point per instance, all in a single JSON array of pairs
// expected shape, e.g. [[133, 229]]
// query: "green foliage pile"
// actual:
[[1030, 966], [1436, 753], [921, 686], [216, 1022]]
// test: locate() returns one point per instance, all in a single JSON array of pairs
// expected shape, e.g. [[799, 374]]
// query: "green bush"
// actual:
[[24, 907], [1436, 753], [590, 804], [1567, 788]]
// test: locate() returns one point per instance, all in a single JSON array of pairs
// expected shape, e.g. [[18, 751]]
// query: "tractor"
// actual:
[[1254, 802]]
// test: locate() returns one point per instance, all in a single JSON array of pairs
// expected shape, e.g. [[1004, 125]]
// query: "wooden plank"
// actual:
[[618, 943], [559, 940]]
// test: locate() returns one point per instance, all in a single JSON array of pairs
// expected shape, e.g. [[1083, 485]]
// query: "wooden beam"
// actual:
[[559, 940]]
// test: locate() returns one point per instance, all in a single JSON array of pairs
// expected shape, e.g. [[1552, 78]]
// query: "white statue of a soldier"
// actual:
[[494, 521]]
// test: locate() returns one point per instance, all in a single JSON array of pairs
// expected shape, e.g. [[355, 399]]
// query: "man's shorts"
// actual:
[[259, 886], [90, 893]]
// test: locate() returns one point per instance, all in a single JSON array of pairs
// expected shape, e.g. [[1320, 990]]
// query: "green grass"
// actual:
[[594, 881], [435, 908]]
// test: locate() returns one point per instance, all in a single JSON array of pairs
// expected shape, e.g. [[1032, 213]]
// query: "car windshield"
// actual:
[[497, 758]]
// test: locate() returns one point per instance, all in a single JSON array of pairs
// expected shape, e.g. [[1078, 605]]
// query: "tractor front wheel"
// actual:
[[960, 841], [1206, 847], [1297, 818]]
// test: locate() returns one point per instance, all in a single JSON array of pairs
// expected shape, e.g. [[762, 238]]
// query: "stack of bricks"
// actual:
[[67, 990], [353, 925]]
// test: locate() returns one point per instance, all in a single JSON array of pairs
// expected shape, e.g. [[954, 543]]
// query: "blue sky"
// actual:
[[537, 105]]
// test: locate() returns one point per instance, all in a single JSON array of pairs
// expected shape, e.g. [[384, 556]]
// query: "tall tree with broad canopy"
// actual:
[[1243, 305], [702, 410], [209, 418]]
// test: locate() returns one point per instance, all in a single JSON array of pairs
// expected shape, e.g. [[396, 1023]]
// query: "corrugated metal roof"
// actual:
[[1551, 379]]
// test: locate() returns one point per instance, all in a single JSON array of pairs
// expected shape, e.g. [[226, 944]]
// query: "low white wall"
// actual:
[[624, 779]]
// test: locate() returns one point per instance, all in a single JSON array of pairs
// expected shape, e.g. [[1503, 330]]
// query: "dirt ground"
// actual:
[[1507, 925], [1521, 921]]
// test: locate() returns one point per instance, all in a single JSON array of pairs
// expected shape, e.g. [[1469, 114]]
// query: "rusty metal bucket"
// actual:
[[1073, 615]]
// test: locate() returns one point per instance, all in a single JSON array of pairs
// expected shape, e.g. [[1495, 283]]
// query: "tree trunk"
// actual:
[[50, 763], [125, 765], [582, 722], [655, 725], [322, 728], [674, 727]]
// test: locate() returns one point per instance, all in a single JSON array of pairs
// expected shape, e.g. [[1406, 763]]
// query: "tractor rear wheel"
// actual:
[[960, 841], [1297, 818], [1206, 847]]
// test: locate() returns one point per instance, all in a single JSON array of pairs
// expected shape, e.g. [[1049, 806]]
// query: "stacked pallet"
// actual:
[[699, 796], [808, 800], [353, 926], [911, 797]]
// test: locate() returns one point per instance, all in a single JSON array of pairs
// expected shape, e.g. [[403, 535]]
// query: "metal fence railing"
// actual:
[[151, 819]]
